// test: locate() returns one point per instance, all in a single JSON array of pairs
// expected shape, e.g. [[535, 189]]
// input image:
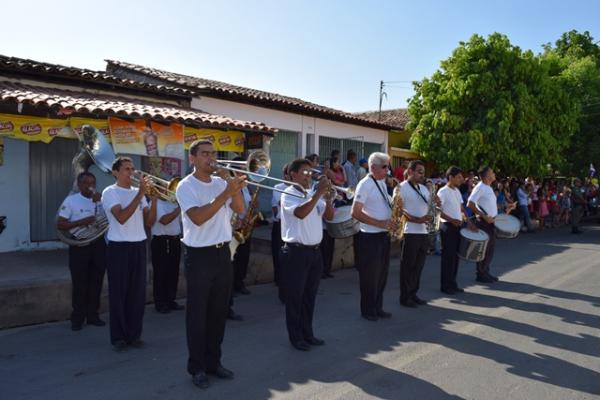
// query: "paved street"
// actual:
[[534, 335]]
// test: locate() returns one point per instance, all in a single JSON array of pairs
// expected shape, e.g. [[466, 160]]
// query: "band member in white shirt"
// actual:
[[166, 255], [127, 211], [482, 202], [86, 263], [207, 203], [301, 231], [416, 199], [276, 241], [373, 209], [452, 217]]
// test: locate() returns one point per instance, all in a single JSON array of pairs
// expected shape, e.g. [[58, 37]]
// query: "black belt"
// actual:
[[302, 246], [167, 236], [214, 246]]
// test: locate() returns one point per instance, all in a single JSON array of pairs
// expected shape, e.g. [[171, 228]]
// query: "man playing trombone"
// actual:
[[207, 203], [372, 208]]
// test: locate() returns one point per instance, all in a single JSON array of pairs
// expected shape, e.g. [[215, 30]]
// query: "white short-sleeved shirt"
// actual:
[[374, 204], [133, 229], [173, 228], [276, 200], [307, 231], [192, 192], [77, 207], [415, 206], [247, 199], [483, 195], [451, 202]]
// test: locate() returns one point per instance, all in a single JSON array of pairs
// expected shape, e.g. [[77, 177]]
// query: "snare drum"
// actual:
[[507, 226], [342, 224], [472, 245]]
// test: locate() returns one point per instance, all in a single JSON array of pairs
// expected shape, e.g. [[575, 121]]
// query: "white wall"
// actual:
[[290, 121], [14, 195]]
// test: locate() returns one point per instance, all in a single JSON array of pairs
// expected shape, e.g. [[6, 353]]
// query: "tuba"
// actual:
[[95, 149]]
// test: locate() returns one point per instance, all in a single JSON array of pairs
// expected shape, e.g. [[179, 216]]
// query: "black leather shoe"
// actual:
[[448, 291], [137, 343], [176, 306], [419, 301], [484, 279], [314, 341], [234, 316], [384, 314], [201, 380], [370, 317], [120, 346], [76, 326], [492, 277], [163, 310], [459, 290], [221, 372], [409, 303], [301, 345], [96, 322]]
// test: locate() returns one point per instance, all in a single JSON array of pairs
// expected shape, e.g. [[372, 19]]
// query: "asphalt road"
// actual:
[[534, 335]]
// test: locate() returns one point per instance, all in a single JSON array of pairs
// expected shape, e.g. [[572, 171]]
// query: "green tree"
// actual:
[[491, 103], [575, 61]]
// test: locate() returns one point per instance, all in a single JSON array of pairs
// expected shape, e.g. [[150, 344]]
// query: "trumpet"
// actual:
[[336, 191], [161, 188], [257, 168]]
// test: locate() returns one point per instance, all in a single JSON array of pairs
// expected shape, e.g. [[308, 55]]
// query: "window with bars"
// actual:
[[363, 149]]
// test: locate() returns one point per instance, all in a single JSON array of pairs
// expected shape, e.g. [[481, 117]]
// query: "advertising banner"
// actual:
[[33, 129], [222, 140]]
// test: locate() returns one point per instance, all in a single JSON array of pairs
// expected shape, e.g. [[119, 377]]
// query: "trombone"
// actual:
[[257, 167], [160, 188]]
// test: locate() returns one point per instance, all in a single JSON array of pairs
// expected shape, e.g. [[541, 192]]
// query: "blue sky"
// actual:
[[333, 53]]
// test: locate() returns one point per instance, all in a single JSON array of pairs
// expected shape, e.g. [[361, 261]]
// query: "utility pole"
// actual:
[[381, 94]]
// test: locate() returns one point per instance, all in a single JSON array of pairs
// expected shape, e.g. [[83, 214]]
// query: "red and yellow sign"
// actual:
[[101, 124], [222, 140], [33, 129], [146, 138]]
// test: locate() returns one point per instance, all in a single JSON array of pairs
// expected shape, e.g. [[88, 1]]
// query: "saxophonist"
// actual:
[[416, 239], [242, 254], [372, 207]]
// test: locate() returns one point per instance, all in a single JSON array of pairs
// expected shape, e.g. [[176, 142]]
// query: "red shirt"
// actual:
[[399, 173]]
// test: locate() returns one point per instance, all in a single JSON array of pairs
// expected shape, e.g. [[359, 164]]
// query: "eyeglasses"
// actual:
[[207, 153]]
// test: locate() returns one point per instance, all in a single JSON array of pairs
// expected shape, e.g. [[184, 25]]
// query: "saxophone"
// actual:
[[242, 233], [434, 211], [397, 234]]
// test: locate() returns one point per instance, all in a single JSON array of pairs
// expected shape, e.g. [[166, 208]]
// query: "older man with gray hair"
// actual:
[[373, 209]]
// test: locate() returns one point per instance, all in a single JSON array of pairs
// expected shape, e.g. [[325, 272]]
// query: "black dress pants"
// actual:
[[414, 253], [450, 243], [327, 247], [166, 255], [240, 264], [276, 244], [87, 265], [126, 267], [373, 267], [483, 267], [209, 274], [301, 271]]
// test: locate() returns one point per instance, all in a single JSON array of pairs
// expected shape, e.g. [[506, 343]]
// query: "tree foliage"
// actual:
[[575, 61], [491, 103]]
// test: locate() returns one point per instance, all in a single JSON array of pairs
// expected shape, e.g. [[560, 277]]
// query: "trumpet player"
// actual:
[[207, 203], [301, 231], [373, 209], [127, 211], [86, 263], [416, 239]]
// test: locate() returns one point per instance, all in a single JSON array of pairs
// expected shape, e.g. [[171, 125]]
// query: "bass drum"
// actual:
[[342, 225], [507, 226], [472, 245]]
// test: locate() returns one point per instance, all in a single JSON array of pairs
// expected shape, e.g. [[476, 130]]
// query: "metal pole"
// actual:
[[380, 97]]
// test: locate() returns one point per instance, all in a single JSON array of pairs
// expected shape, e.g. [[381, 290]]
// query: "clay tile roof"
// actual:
[[242, 94], [86, 103], [23, 66], [397, 118]]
